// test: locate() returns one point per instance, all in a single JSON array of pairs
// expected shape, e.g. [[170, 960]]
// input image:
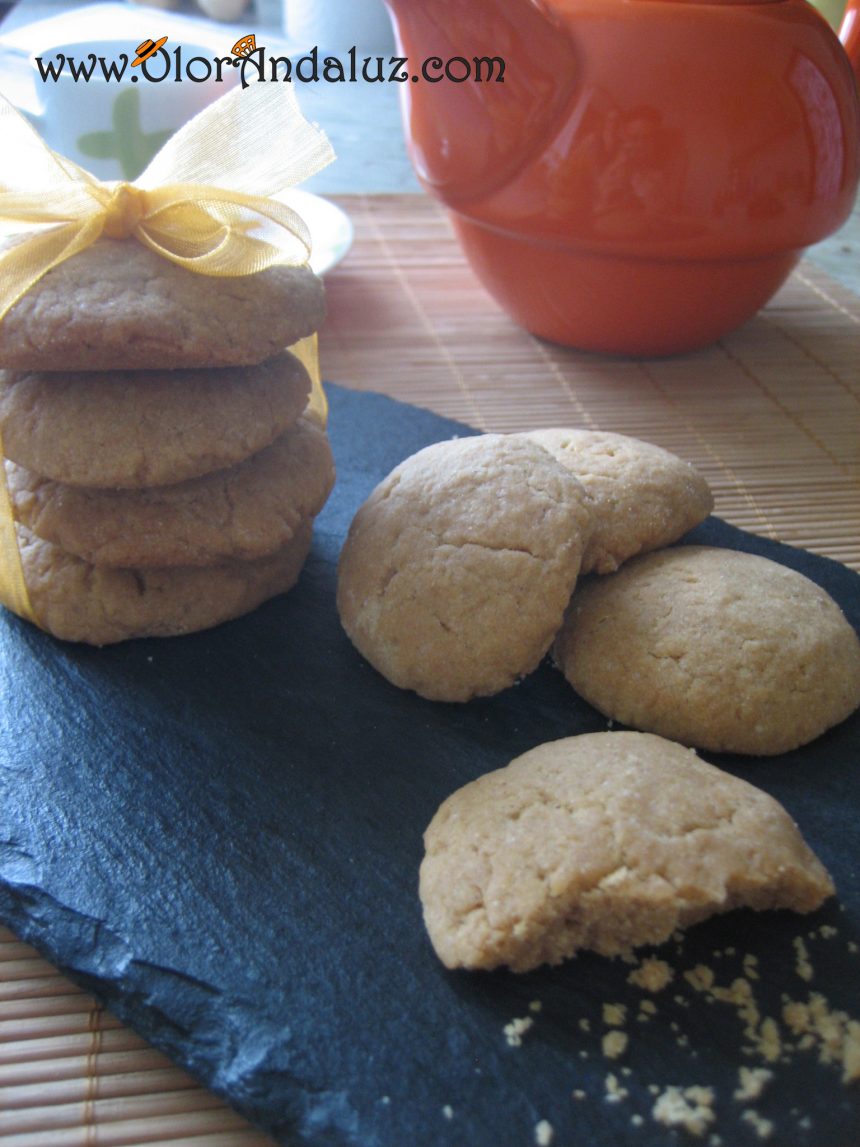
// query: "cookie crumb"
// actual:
[[690, 1108], [516, 1029], [802, 966], [752, 1082], [614, 1015], [647, 1009], [544, 1133], [614, 1044], [535, 1006], [770, 1041], [614, 1091], [836, 1036], [762, 1127], [448, 1111], [652, 975], [580, 1094], [750, 966], [701, 977]]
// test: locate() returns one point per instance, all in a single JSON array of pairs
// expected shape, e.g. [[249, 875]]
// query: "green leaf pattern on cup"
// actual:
[[127, 143]]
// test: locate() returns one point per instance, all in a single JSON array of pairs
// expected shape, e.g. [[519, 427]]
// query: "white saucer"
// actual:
[[330, 228]]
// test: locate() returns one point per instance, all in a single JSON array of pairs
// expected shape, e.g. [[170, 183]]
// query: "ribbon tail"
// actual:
[[13, 586], [306, 351]]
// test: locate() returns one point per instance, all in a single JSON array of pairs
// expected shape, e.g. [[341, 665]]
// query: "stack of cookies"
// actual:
[[163, 465]]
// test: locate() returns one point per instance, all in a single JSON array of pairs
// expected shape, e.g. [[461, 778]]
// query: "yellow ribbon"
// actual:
[[210, 200]]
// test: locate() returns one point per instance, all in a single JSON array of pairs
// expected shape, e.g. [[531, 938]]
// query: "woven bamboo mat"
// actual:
[[771, 415]]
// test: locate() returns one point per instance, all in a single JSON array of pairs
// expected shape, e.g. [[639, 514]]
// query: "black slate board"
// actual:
[[220, 836]]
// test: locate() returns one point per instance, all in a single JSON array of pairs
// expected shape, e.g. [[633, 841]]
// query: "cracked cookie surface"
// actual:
[[77, 601], [644, 497], [119, 306], [605, 841], [130, 429], [457, 570], [244, 512], [715, 648]]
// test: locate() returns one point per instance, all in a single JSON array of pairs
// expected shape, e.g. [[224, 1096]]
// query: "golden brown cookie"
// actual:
[[77, 601], [714, 648], [457, 569], [644, 497], [244, 512], [130, 429], [119, 306], [605, 841]]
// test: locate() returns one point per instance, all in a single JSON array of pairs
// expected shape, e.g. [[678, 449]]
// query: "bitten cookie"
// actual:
[[457, 569], [76, 601], [119, 306], [605, 841], [644, 496], [130, 429], [714, 648], [244, 512]]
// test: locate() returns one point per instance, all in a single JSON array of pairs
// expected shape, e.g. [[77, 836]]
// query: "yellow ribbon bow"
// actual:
[[210, 200]]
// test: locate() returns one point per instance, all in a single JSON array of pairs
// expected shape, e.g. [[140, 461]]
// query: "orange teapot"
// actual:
[[647, 172]]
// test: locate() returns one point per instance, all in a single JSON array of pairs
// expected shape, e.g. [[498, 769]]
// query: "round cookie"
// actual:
[[644, 497], [244, 512], [119, 306], [714, 648], [457, 569], [605, 841], [76, 601], [130, 429]]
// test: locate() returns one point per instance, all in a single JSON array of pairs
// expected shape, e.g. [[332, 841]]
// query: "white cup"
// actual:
[[336, 25], [113, 122]]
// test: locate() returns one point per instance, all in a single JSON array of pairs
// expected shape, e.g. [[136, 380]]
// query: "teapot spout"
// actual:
[[491, 81]]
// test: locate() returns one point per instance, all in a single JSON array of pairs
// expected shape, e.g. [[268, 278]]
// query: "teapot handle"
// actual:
[[849, 34]]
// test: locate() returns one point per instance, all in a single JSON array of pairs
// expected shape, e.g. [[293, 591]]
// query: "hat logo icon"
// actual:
[[148, 48]]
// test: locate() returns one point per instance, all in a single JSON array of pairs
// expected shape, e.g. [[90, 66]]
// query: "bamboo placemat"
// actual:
[[771, 415]]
